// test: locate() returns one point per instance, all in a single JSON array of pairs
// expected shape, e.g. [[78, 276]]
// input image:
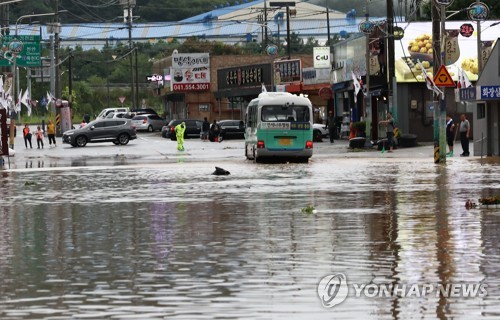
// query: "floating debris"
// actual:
[[309, 209]]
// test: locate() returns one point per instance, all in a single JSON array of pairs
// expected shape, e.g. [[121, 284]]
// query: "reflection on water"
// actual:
[[176, 241]]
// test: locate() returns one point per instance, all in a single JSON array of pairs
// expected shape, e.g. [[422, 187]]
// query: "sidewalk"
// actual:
[[152, 148]]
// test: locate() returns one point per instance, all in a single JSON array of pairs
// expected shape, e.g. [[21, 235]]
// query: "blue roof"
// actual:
[[71, 34], [212, 15]]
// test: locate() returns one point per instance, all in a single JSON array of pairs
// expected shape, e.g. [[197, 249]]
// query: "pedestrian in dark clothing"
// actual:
[[450, 134], [27, 136], [215, 132], [331, 126], [205, 128], [464, 135]]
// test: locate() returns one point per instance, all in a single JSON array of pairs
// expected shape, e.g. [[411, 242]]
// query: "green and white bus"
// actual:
[[279, 124]]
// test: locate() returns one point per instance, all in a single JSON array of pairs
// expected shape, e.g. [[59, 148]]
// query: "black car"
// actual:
[[118, 131], [232, 129], [193, 129]]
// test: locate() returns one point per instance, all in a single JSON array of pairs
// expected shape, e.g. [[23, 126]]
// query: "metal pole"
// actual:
[[442, 105], [288, 31], [12, 117], [265, 24], [479, 53], [131, 58], [136, 79], [52, 75], [368, 105], [328, 24]]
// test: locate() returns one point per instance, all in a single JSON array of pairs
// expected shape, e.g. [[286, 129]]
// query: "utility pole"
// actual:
[[390, 58], [328, 24], [287, 5], [128, 5]]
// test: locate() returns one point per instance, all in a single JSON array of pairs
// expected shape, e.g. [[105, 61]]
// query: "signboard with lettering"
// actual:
[[321, 57], [29, 55], [479, 93], [252, 76], [489, 93], [417, 45], [287, 71], [190, 72], [467, 94], [466, 30], [315, 76]]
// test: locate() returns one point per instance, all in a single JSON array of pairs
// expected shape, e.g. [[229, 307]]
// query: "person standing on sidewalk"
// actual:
[[39, 137], [331, 126], [205, 127], [179, 135], [464, 130], [27, 136], [450, 134], [389, 123], [51, 132]]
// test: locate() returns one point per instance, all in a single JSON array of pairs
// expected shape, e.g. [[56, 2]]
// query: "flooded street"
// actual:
[[173, 241]]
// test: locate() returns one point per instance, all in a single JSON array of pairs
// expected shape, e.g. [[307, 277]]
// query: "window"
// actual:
[[285, 113], [481, 110], [204, 107]]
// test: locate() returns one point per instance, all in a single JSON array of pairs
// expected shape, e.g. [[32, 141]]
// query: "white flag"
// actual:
[[465, 80], [357, 85], [7, 98], [26, 101], [264, 90], [18, 101], [428, 81], [50, 99]]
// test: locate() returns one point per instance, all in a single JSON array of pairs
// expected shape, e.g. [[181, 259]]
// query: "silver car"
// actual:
[[149, 122]]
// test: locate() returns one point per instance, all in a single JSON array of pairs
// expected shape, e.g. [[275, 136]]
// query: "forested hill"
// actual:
[[87, 11]]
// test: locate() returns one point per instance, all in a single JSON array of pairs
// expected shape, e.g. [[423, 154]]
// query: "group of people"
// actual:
[[51, 133], [208, 132]]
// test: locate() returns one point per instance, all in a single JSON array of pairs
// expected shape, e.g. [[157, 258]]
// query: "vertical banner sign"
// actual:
[[4, 147], [486, 47], [452, 50], [321, 57]]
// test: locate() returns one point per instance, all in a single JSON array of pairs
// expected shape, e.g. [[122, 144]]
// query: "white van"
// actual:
[[107, 111]]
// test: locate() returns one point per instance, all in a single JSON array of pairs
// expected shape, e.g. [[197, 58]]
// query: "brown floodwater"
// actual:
[[174, 241]]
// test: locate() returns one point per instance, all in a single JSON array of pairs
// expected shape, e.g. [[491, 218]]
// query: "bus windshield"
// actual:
[[285, 113]]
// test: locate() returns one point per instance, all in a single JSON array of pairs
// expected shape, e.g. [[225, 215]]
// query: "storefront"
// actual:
[[485, 100]]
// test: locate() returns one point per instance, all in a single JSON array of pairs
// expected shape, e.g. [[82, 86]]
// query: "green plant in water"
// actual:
[[309, 209]]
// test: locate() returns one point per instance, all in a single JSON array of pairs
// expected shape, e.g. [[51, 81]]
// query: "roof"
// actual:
[[230, 24], [230, 31], [251, 10]]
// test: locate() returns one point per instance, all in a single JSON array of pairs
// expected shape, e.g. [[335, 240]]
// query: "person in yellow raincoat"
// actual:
[[179, 134]]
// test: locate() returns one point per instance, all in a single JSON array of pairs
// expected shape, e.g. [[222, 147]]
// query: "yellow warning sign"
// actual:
[[443, 78]]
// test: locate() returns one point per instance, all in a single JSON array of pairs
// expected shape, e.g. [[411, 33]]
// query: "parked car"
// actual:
[[149, 122], [118, 131], [104, 113], [193, 129], [232, 129], [320, 131], [114, 115], [139, 111]]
